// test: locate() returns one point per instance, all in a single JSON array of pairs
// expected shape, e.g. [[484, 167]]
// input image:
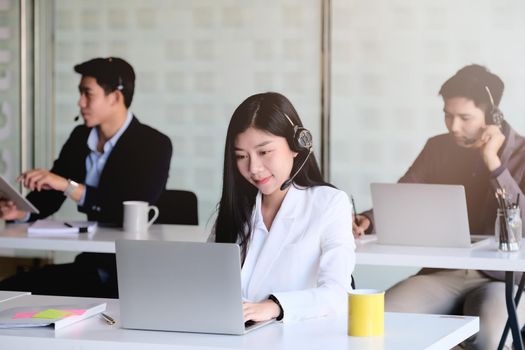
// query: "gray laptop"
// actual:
[[422, 215], [181, 286]]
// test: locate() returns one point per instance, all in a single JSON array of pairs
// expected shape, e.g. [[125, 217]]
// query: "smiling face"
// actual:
[[464, 121], [263, 159], [96, 107]]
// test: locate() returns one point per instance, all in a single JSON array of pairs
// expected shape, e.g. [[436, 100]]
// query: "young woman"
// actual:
[[296, 239]]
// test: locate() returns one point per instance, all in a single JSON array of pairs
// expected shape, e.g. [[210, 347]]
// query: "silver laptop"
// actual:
[[422, 215], [181, 286]]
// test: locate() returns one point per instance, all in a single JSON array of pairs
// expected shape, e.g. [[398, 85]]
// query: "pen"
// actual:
[[81, 229], [107, 318], [353, 210]]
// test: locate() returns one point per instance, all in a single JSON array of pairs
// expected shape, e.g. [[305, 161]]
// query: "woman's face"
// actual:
[[263, 159]]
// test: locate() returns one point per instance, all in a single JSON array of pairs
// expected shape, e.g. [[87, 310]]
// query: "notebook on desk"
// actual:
[[181, 286], [422, 215], [20, 313], [58, 228]]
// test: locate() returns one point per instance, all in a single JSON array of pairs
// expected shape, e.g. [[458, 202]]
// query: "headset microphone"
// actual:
[[77, 118], [288, 182]]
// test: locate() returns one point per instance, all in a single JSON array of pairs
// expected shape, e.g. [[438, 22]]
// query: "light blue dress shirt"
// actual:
[[95, 161]]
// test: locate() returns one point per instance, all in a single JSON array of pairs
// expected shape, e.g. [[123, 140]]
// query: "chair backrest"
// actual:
[[178, 207]]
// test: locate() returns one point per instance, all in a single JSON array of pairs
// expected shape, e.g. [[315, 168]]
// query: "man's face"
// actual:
[[465, 122], [95, 106]]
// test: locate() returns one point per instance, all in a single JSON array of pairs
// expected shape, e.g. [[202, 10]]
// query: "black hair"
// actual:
[[112, 74], [470, 82], [266, 112]]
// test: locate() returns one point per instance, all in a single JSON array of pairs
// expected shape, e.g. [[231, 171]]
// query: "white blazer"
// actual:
[[308, 257]]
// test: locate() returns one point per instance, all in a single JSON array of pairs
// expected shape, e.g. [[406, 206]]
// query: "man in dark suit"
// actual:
[[110, 159]]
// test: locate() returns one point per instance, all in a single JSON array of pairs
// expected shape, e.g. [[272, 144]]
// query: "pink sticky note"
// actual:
[[24, 314], [76, 312]]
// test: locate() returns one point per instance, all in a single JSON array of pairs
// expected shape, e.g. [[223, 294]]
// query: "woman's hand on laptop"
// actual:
[[360, 225], [263, 311], [9, 211]]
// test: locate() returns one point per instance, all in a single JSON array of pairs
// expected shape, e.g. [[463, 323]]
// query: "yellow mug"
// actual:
[[366, 313]]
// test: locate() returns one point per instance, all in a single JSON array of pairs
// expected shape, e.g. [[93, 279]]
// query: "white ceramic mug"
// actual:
[[136, 216]]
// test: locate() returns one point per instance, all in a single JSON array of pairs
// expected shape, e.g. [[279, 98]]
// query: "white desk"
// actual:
[[6, 295], [423, 332], [102, 241], [481, 257]]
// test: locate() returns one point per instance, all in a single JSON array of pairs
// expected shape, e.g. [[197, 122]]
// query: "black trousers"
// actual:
[[90, 275]]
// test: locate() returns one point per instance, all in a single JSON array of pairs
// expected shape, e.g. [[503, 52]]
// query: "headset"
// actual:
[[302, 141], [120, 85], [494, 116]]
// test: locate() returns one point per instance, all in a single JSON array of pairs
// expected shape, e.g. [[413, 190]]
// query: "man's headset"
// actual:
[[120, 85], [494, 116], [301, 142]]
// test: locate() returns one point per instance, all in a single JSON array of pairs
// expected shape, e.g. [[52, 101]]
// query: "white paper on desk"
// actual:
[[366, 239], [56, 228], [20, 317]]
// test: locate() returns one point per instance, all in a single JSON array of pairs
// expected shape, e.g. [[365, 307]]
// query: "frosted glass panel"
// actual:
[[195, 62], [9, 89]]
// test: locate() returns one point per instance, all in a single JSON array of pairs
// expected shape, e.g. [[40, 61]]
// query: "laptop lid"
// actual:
[[420, 215], [180, 286]]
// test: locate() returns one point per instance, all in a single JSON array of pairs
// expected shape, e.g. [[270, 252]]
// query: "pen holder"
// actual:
[[508, 229]]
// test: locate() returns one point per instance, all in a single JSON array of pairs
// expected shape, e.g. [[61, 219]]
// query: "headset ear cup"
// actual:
[[494, 117], [497, 116], [303, 140]]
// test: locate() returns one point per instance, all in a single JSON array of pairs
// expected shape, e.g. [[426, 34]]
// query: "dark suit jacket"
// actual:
[[136, 169]]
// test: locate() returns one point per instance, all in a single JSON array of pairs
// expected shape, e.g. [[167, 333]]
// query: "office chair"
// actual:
[[177, 207]]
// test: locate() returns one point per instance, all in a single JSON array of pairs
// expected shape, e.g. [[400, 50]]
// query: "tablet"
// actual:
[[9, 192]]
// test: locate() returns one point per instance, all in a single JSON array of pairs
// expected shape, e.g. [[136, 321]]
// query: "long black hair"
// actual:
[[266, 112]]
